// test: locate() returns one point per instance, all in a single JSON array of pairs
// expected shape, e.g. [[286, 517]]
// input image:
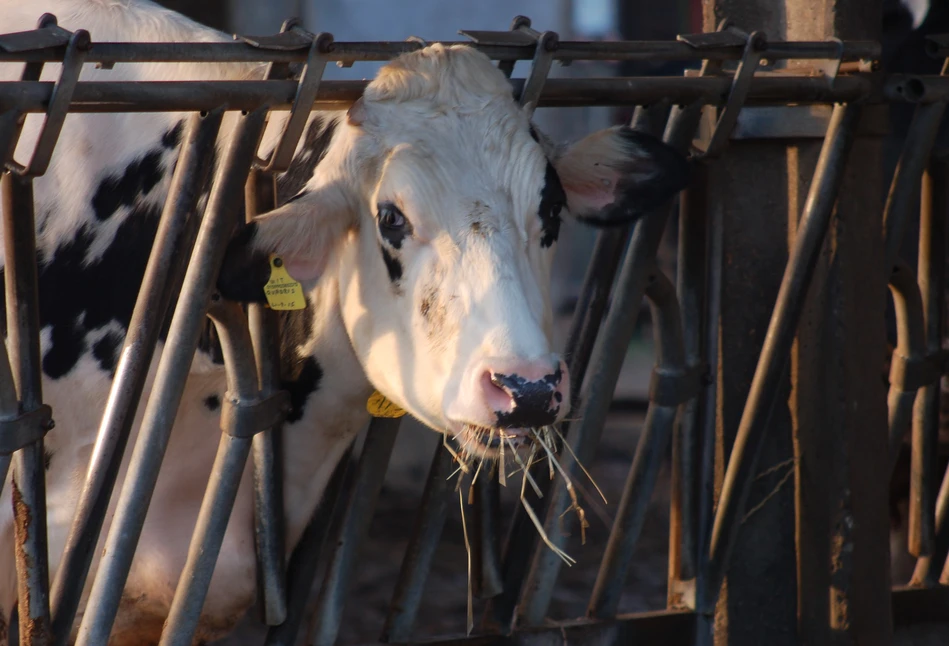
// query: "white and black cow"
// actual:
[[422, 224]]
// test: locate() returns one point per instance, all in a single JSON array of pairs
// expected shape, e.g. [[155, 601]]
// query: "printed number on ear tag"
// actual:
[[379, 406], [282, 292]]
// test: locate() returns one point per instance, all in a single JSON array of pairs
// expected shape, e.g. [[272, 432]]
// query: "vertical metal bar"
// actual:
[[162, 275], [169, 384], [301, 571], [927, 505], [650, 450], [932, 286], [268, 472], [420, 551], [615, 334], [781, 331], [370, 474], [485, 553], [224, 480], [690, 277], [23, 342]]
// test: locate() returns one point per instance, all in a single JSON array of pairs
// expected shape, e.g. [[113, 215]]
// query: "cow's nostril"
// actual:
[[496, 395]]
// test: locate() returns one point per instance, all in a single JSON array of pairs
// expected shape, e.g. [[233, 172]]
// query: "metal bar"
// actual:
[[23, 343], [169, 383], [691, 276], [420, 551], [934, 208], [370, 474], [615, 333], [781, 331], [904, 187], [224, 480], [269, 524], [352, 52], [305, 559], [910, 350], [194, 96], [485, 550], [925, 450], [158, 286], [650, 450]]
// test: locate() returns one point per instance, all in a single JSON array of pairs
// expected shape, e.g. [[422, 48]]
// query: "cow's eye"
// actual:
[[391, 218]]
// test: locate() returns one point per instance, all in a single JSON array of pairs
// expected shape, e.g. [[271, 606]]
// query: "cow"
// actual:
[[421, 223]]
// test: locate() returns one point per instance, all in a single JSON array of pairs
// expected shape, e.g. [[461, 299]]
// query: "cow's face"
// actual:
[[436, 210]]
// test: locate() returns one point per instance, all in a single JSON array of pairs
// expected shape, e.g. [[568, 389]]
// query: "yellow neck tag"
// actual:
[[379, 406], [282, 292]]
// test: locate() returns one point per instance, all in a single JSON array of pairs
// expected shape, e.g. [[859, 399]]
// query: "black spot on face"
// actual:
[[304, 381], [393, 265], [106, 350], [212, 402], [552, 200]]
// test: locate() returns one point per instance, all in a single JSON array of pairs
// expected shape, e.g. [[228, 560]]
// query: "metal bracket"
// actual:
[[307, 89], [77, 46], [910, 374], [521, 34], [25, 429], [675, 387], [741, 84], [831, 67], [45, 36], [247, 419]]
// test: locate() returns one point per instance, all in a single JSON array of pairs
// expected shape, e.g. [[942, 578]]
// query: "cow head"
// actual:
[[436, 210]]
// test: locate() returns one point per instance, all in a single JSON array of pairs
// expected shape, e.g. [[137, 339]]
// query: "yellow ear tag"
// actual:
[[282, 292], [379, 406]]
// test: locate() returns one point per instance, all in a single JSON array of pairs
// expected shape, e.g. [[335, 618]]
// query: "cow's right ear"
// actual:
[[303, 232]]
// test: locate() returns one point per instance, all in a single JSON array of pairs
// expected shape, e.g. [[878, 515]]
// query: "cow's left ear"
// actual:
[[618, 174], [303, 232]]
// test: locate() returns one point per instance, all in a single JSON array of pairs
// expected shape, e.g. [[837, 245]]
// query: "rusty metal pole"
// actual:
[[811, 554]]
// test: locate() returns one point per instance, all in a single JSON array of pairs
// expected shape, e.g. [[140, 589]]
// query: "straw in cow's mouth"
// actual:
[[538, 444]]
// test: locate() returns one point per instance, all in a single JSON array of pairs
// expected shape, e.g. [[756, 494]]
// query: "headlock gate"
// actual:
[[830, 91]]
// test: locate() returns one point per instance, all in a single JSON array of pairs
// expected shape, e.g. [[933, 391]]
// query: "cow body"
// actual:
[[445, 312]]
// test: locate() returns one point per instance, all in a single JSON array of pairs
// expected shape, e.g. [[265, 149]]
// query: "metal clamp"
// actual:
[[831, 67], [25, 429], [741, 84], [674, 387], [77, 45], [247, 419]]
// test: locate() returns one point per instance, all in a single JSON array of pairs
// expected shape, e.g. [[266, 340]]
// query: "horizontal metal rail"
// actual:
[[173, 96], [353, 52]]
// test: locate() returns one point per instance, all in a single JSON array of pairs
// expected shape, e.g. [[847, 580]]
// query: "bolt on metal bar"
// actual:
[[23, 343], [909, 361], [226, 473], [925, 448], [269, 527], [161, 280], [652, 446], [108, 54], [815, 220], [690, 276], [169, 383], [420, 551], [194, 96], [301, 571], [934, 206], [370, 474], [616, 331]]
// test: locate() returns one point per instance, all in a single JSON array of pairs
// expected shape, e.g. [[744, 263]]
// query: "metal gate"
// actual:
[[824, 99]]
